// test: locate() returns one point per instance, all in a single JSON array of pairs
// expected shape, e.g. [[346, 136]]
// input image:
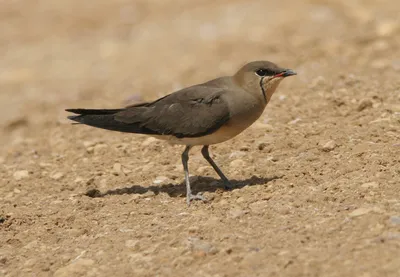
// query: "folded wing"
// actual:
[[192, 112]]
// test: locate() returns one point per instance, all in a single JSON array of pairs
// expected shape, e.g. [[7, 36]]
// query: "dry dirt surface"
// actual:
[[316, 178]]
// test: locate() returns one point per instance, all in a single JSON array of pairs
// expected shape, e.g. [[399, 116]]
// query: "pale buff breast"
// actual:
[[232, 128], [222, 134]]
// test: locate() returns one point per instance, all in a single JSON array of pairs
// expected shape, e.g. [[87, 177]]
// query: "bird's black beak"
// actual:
[[286, 73]]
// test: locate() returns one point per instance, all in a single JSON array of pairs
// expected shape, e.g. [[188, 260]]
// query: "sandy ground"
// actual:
[[317, 178]]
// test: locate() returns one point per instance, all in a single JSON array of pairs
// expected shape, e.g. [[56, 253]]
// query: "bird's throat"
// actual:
[[263, 90], [269, 88]]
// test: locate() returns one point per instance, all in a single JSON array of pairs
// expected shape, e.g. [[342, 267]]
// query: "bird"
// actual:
[[200, 115]]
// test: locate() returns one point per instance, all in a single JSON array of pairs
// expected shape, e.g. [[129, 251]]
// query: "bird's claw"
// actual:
[[190, 197], [228, 185]]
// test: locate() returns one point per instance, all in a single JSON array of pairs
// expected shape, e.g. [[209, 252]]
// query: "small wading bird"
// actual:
[[203, 114]]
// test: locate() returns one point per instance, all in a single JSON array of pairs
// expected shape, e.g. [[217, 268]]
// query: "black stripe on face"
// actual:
[[262, 89]]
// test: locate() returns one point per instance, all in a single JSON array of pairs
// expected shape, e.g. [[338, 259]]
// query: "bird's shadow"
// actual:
[[198, 183]]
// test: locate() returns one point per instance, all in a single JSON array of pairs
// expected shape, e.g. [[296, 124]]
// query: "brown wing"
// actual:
[[191, 112]]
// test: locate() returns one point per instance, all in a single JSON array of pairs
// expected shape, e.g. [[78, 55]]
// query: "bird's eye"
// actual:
[[262, 72]]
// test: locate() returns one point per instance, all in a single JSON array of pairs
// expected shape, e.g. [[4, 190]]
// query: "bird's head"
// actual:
[[261, 78]]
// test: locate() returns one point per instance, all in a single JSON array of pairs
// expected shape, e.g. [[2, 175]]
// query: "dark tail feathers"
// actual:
[[93, 111], [103, 119]]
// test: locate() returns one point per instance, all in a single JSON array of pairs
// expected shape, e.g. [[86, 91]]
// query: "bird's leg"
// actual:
[[206, 156], [189, 195]]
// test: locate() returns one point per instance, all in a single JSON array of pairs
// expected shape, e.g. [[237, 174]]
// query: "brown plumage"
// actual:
[[203, 114]]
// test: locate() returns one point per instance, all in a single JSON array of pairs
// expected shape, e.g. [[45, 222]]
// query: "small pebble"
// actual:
[[43, 165], [57, 176], [21, 174], [117, 169], [126, 170], [237, 213], [240, 200], [78, 180], [387, 28], [263, 126], [147, 194], [329, 146], [149, 141], [193, 229], [88, 143], [236, 154], [132, 244], [100, 149], [294, 121], [201, 248], [373, 185], [160, 180], [238, 163], [78, 267], [202, 169], [258, 207], [359, 212], [395, 220], [103, 184], [262, 145], [364, 104], [274, 158]]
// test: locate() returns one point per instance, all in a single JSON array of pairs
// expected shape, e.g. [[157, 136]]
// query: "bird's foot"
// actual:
[[190, 197], [228, 185]]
